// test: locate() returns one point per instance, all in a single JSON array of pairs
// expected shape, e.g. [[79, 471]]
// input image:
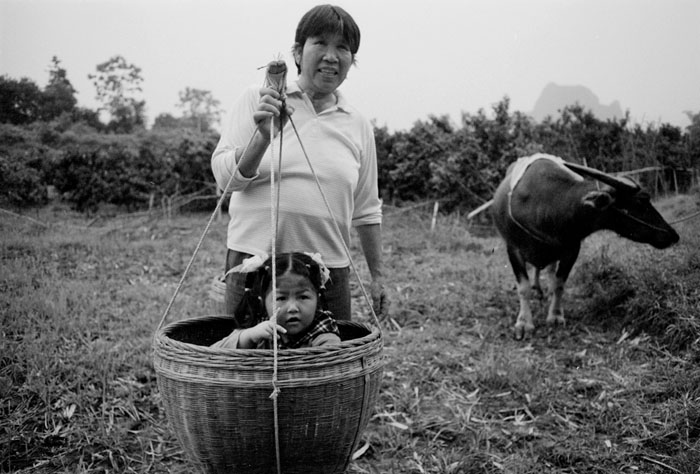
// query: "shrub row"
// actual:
[[88, 168], [460, 165]]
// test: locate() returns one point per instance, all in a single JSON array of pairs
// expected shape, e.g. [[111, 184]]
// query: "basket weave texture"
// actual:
[[217, 293], [218, 400]]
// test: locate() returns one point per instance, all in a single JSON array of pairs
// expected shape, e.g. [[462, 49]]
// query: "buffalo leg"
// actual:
[[536, 286], [523, 324], [558, 278]]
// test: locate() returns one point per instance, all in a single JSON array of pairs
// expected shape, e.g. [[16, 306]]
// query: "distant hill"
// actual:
[[555, 97]]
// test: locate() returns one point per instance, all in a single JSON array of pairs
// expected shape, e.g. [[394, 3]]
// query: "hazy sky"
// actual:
[[416, 58]]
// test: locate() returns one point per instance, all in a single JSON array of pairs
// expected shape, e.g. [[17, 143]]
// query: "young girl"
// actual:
[[300, 322]]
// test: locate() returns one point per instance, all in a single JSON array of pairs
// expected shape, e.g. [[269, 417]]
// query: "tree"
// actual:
[[166, 121], [59, 94], [500, 140], [412, 155], [385, 161], [577, 135], [117, 84], [693, 132], [19, 101], [200, 108]]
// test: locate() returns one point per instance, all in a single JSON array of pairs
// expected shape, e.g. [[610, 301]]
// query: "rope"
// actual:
[[686, 218], [625, 213], [274, 212], [43, 224], [217, 209], [335, 224], [545, 239], [278, 83]]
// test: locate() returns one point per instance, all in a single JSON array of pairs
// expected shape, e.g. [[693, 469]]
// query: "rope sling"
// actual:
[[275, 78]]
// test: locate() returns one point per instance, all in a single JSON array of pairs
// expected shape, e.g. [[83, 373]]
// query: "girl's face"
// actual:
[[325, 62], [296, 300]]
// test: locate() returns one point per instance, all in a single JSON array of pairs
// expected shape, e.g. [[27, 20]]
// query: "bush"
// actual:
[[132, 171], [22, 168]]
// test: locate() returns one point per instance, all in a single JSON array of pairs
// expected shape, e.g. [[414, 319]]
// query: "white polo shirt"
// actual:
[[341, 148]]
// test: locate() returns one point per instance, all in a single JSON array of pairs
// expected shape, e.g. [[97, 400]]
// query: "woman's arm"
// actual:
[[371, 242], [246, 136]]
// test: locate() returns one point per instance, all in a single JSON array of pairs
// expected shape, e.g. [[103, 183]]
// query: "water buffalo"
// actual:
[[545, 207]]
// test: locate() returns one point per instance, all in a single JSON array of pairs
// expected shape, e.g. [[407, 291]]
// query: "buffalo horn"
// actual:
[[602, 177]]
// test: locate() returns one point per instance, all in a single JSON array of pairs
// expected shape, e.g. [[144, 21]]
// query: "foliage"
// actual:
[[19, 101], [167, 121], [200, 108], [693, 140], [88, 168], [131, 171], [384, 143], [412, 154], [102, 168], [59, 94], [468, 175], [118, 84], [462, 166], [23, 166], [23, 102]]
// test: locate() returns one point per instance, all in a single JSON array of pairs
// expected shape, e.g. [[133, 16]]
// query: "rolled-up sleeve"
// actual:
[[368, 205], [235, 135]]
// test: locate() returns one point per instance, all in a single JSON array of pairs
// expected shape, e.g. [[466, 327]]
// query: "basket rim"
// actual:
[[255, 367], [163, 344]]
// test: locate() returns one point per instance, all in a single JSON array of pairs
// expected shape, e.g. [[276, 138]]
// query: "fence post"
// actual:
[[675, 181], [656, 184], [151, 200], [434, 221]]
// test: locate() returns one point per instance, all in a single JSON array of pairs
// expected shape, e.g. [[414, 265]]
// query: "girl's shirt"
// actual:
[[322, 332]]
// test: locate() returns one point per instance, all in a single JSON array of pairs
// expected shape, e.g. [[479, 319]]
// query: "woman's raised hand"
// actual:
[[270, 105]]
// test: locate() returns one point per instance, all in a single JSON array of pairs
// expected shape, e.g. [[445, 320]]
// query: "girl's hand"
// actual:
[[270, 105], [251, 337]]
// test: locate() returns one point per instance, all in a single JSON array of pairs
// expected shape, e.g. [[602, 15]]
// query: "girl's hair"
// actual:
[[251, 310], [327, 19]]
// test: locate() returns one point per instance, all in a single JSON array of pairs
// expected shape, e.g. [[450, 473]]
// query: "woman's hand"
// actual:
[[380, 301], [270, 105], [251, 337]]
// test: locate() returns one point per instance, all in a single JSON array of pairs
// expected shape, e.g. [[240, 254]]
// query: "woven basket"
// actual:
[[218, 400], [217, 292]]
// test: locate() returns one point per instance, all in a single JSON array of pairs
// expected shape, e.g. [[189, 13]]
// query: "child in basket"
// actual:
[[301, 320]]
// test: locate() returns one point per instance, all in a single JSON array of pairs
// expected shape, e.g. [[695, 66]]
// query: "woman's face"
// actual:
[[296, 300], [325, 61]]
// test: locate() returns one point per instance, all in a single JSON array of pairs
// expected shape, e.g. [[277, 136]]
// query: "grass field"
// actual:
[[617, 390]]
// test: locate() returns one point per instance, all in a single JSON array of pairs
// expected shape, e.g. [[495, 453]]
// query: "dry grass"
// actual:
[[617, 390]]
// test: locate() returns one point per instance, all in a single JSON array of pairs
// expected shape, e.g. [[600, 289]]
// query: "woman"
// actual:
[[339, 143]]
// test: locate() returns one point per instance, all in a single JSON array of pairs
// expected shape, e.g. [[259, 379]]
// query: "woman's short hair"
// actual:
[[327, 19]]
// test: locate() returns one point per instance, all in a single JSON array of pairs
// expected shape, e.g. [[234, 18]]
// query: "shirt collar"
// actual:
[[342, 105]]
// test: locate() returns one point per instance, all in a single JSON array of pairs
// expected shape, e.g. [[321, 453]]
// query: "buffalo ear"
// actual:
[[598, 200]]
